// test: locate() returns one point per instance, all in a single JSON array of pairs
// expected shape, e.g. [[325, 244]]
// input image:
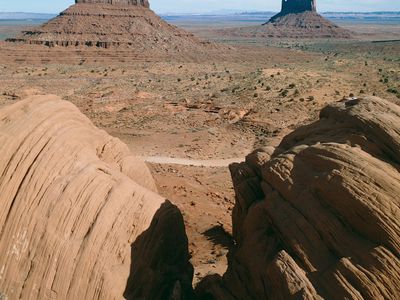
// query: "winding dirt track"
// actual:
[[192, 162]]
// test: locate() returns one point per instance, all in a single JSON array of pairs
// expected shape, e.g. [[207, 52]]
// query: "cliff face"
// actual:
[[318, 217], [294, 7], [79, 214], [144, 3], [297, 6]]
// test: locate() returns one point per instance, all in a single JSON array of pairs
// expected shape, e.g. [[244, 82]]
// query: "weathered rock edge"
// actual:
[[79, 214], [319, 216], [144, 3]]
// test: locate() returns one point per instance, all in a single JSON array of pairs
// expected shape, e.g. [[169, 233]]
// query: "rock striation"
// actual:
[[144, 3], [319, 216], [79, 215], [128, 24]]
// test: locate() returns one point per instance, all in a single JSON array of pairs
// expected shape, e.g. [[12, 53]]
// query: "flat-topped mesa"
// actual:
[[144, 3]]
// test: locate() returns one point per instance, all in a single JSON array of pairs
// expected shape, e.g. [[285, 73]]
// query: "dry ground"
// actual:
[[216, 109]]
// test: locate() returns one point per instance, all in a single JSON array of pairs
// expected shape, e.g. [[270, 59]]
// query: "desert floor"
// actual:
[[191, 119]]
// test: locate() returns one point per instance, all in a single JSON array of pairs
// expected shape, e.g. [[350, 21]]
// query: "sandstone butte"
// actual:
[[125, 24], [79, 214], [297, 19], [319, 216]]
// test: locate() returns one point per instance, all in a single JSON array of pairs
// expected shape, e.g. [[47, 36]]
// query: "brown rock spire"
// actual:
[[297, 6]]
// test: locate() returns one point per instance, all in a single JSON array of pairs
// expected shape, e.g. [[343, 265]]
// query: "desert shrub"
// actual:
[[284, 93]]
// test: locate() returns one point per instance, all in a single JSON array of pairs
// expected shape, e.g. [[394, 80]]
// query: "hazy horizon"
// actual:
[[189, 6]]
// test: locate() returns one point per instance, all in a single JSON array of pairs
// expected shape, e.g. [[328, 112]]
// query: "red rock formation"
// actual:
[[79, 215], [319, 217], [297, 19], [123, 24], [144, 3]]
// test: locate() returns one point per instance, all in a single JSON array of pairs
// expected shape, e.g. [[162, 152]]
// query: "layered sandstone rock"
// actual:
[[319, 216], [144, 3], [79, 215], [113, 24]]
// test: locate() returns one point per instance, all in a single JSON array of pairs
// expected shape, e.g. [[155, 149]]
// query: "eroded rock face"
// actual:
[[122, 25], [319, 216], [79, 214], [290, 7], [297, 6], [144, 3]]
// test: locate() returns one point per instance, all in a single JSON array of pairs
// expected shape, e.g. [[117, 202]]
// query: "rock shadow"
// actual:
[[160, 267], [219, 236]]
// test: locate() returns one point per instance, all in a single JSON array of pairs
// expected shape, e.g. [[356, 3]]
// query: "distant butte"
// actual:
[[114, 24], [297, 19], [144, 3]]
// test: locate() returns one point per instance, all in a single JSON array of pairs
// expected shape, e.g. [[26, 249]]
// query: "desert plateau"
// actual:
[[247, 155]]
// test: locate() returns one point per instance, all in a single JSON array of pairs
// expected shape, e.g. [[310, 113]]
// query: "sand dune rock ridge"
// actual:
[[318, 217], [79, 215]]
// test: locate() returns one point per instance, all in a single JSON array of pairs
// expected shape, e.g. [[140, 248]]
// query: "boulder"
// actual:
[[79, 214]]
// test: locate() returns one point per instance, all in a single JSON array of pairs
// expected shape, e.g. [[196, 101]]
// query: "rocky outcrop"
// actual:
[[319, 216], [297, 6], [79, 214], [144, 3], [297, 19], [128, 25]]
